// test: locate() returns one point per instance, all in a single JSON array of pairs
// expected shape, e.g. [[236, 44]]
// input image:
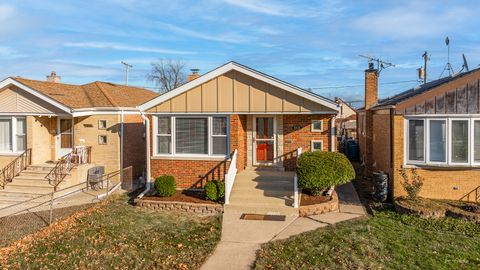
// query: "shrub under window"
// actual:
[[165, 185]]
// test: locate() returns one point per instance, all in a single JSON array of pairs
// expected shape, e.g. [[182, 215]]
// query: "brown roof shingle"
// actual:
[[95, 94]]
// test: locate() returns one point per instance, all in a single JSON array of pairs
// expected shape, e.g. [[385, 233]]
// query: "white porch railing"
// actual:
[[295, 183], [230, 176]]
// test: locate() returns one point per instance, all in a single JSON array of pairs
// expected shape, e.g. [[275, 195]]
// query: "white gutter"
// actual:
[[147, 138], [333, 135]]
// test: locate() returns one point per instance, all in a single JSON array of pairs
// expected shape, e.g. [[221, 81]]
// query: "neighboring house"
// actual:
[[434, 127], [346, 121], [196, 127], [54, 119]]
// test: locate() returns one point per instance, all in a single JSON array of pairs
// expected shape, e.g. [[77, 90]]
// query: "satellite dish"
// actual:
[[465, 64]]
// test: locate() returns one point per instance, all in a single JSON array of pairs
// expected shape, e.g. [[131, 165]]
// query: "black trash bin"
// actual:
[[380, 186]]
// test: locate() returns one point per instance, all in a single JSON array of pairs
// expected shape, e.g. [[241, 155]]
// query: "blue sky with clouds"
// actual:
[[313, 44]]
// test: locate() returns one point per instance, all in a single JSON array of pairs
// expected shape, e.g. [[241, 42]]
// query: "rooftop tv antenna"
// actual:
[[448, 67], [127, 66], [381, 65]]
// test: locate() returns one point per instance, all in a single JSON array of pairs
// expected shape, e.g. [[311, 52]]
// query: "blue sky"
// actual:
[[313, 44]]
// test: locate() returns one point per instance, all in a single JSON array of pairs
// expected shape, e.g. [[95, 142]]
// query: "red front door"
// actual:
[[264, 139]]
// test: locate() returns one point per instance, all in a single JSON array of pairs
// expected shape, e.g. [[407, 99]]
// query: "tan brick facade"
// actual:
[[296, 131]]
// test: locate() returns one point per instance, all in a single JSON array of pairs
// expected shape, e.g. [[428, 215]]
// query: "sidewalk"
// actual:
[[242, 238]]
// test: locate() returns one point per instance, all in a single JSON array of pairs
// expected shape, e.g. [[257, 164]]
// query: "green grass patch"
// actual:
[[121, 236], [385, 241]]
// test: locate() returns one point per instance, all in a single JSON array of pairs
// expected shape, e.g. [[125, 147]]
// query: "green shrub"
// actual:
[[165, 185], [414, 186], [214, 190], [320, 170]]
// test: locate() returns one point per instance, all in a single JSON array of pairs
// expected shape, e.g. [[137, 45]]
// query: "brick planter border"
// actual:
[[320, 208], [198, 208]]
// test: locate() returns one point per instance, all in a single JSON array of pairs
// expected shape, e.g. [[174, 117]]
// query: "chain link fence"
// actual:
[[33, 212]]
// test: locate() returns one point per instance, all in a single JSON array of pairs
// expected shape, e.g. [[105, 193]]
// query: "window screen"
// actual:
[[191, 135]]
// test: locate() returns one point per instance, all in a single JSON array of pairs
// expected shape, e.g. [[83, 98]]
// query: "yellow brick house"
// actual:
[[42, 121]]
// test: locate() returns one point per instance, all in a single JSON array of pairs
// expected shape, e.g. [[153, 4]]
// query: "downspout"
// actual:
[[147, 139], [332, 134], [121, 145]]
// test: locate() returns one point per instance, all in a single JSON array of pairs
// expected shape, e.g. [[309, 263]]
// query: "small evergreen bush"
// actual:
[[165, 185], [320, 170], [214, 190]]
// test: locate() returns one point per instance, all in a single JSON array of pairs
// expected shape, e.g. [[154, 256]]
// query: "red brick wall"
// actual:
[[194, 173], [297, 132], [134, 151]]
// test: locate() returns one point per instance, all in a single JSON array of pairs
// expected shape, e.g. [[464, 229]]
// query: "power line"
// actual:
[[358, 85]]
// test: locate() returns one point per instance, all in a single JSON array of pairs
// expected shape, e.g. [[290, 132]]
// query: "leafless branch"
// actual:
[[167, 74]]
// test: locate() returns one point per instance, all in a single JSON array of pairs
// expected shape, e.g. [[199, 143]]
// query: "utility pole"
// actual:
[[425, 66], [127, 66]]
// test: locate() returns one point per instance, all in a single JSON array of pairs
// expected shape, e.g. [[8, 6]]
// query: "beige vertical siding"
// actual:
[[238, 93], [15, 100]]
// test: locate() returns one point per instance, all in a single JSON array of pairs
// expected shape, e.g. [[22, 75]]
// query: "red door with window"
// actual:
[[264, 139]]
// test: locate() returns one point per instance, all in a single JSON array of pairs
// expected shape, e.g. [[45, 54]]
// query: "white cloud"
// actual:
[[271, 8], [7, 53], [123, 47], [225, 37], [414, 21]]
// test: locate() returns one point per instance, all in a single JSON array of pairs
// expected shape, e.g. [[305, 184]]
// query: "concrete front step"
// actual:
[[33, 183], [44, 189], [262, 210], [41, 167]]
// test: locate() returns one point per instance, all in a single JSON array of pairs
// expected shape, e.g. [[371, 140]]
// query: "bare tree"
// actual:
[[167, 74]]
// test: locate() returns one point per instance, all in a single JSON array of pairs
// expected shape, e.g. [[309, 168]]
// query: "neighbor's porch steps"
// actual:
[[261, 191], [29, 184]]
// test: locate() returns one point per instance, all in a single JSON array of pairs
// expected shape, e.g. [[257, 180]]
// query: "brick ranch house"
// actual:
[[54, 119], [434, 127], [196, 127]]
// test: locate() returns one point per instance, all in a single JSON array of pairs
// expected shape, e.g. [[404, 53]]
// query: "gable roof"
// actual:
[[230, 66], [394, 100], [92, 95]]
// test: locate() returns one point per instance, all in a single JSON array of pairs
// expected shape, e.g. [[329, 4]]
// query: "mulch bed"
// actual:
[[188, 196], [307, 199]]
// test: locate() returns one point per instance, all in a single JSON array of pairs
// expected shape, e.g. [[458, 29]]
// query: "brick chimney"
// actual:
[[192, 76], [53, 77], [371, 86]]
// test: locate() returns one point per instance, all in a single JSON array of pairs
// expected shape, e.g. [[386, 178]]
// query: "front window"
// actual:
[[449, 141], [416, 137], [459, 142], [191, 136], [13, 136]]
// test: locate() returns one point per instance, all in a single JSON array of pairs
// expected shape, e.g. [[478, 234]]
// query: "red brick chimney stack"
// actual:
[[371, 86], [192, 76]]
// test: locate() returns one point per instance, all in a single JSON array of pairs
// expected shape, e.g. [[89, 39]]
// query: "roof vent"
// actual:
[[53, 77]]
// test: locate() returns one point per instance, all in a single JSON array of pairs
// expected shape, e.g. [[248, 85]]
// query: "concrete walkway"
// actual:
[[269, 192]]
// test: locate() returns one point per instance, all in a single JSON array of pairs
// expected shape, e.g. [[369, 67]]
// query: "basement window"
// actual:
[[102, 139], [317, 145], [450, 141]]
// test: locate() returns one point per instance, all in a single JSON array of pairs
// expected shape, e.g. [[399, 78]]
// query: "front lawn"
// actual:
[[385, 241], [120, 236]]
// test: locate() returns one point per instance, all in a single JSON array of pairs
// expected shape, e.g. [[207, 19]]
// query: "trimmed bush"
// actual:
[[214, 190], [165, 185], [320, 170]]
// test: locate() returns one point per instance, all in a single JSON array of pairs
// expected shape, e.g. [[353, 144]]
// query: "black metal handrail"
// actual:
[[14, 168]]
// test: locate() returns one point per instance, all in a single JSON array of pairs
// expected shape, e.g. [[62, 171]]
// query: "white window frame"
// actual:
[[472, 132], [407, 140], [312, 126], [100, 121], [427, 141], [173, 141], [13, 135], [469, 132], [449, 163], [211, 135], [99, 140], [312, 142]]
